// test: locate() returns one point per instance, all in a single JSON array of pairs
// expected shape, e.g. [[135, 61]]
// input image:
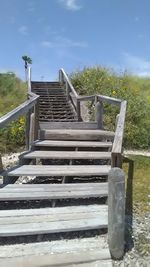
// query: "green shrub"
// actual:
[[12, 93], [98, 80]]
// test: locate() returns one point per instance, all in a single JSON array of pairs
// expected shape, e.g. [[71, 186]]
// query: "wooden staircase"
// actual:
[[53, 103], [69, 164]]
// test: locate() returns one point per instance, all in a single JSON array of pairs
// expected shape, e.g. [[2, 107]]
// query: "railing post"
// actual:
[[36, 120], [79, 110], [67, 90], [60, 77], [116, 212], [99, 114], [27, 129], [29, 80]]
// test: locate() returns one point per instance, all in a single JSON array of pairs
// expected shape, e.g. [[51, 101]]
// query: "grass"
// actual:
[[141, 183]]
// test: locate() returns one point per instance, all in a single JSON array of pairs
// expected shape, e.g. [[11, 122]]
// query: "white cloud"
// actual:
[[137, 65], [71, 4], [63, 42], [23, 30]]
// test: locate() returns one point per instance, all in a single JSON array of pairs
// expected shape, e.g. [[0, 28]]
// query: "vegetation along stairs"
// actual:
[[75, 194]]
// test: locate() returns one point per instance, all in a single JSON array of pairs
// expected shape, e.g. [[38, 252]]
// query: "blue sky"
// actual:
[[73, 34]]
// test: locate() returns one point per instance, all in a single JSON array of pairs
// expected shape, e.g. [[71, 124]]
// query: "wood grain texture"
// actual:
[[77, 252], [52, 220], [68, 125], [75, 134], [116, 212], [58, 143], [67, 155], [53, 191], [60, 170]]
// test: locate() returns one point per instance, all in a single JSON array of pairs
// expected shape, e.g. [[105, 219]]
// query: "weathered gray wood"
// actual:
[[86, 98], [110, 100], [99, 263], [116, 212], [67, 91], [51, 220], [66, 79], [17, 112], [67, 155], [73, 100], [90, 258], [75, 134], [1, 163], [27, 130], [60, 170], [56, 253], [53, 143], [29, 79], [36, 120], [117, 144], [56, 191], [79, 111], [31, 133], [99, 115], [68, 125], [59, 210]]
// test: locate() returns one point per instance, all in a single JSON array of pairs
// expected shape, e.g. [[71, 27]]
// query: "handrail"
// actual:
[[63, 77], [86, 98], [117, 144], [110, 100], [18, 111]]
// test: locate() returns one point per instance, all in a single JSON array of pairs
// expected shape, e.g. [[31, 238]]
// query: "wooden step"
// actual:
[[66, 155], [85, 252], [52, 191], [68, 125], [67, 134], [52, 220], [60, 170], [54, 143]]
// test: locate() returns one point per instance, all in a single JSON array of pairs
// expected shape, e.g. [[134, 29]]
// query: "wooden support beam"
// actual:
[[116, 212], [99, 114]]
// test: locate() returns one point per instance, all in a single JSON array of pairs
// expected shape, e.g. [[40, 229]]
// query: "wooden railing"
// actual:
[[99, 100], [30, 108], [120, 121]]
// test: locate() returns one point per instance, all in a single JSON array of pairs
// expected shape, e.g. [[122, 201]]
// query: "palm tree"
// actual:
[[27, 60]]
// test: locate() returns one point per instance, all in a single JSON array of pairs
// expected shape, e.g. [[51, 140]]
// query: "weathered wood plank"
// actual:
[[52, 191], [68, 125], [110, 100], [116, 211], [70, 259], [48, 218], [56, 253], [75, 134], [53, 143], [97, 263], [53, 187], [99, 115], [18, 111], [60, 170], [67, 155], [66, 79], [59, 210], [117, 144], [76, 219], [14, 196]]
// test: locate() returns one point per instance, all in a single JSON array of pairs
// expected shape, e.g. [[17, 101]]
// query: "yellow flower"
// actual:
[[21, 120], [114, 92]]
